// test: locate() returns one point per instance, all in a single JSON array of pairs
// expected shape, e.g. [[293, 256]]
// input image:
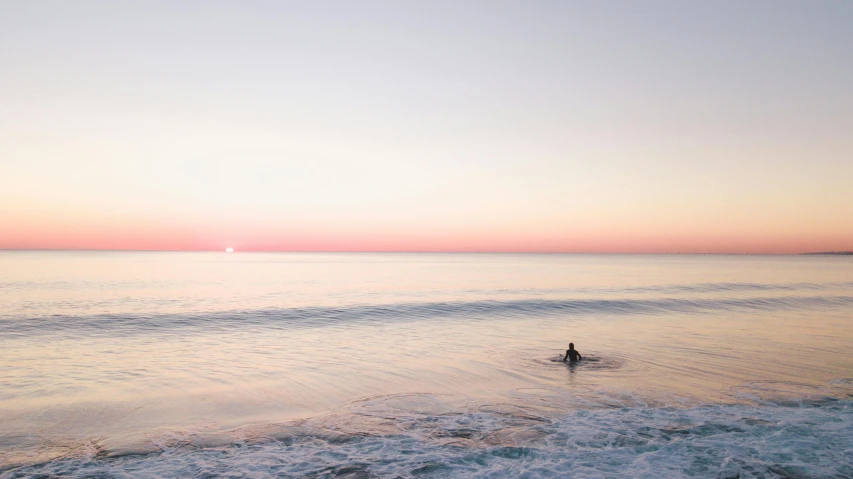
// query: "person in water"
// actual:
[[572, 355]]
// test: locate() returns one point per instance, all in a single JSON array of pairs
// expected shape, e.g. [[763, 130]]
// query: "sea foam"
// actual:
[[426, 436]]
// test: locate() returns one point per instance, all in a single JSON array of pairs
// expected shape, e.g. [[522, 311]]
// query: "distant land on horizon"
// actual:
[[841, 253]]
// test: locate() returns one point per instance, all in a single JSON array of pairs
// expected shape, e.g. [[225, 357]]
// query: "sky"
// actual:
[[542, 126]]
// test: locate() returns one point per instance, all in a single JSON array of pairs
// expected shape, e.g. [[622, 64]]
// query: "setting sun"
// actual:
[[229, 250]]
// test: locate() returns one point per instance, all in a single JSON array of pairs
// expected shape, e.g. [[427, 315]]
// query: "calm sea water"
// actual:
[[424, 365]]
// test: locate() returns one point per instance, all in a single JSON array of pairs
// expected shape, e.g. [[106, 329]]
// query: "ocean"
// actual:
[[362, 365]]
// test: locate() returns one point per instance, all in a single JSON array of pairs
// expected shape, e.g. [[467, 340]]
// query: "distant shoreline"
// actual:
[[836, 253]]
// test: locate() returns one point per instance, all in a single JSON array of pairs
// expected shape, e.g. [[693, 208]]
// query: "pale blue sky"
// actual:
[[564, 120]]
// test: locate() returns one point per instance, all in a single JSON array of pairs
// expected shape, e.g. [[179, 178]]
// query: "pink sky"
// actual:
[[561, 127], [129, 234]]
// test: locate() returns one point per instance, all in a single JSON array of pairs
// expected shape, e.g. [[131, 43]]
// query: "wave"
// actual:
[[673, 289], [428, 436], [661, 289], [738, 287], [312, 317]]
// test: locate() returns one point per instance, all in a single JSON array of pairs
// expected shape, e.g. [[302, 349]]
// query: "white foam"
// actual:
[[743, 441]]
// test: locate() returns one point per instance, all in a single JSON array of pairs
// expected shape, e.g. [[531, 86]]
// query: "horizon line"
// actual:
[[119, 250]]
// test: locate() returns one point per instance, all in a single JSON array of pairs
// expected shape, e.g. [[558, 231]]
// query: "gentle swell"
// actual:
[[312, 317], [661, 289]]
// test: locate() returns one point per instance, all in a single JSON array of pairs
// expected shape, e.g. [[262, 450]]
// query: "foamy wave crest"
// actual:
[[389, 438], [296, 318]]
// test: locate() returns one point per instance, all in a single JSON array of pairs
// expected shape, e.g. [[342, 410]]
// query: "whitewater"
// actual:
[[149, 364]]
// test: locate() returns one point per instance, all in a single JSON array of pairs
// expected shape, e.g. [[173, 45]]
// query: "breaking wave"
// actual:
[[421, 435]]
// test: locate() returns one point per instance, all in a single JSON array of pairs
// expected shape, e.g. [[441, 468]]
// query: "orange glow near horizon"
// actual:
[[441, 230], [130, 235]]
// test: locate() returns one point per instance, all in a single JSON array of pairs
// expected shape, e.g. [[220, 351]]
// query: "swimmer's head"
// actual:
[[571, 345]]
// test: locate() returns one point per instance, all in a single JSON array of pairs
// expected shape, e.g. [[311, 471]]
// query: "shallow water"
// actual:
[[404, 365]]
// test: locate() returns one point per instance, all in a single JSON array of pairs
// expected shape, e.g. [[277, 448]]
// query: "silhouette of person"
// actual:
[[572, 355]]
